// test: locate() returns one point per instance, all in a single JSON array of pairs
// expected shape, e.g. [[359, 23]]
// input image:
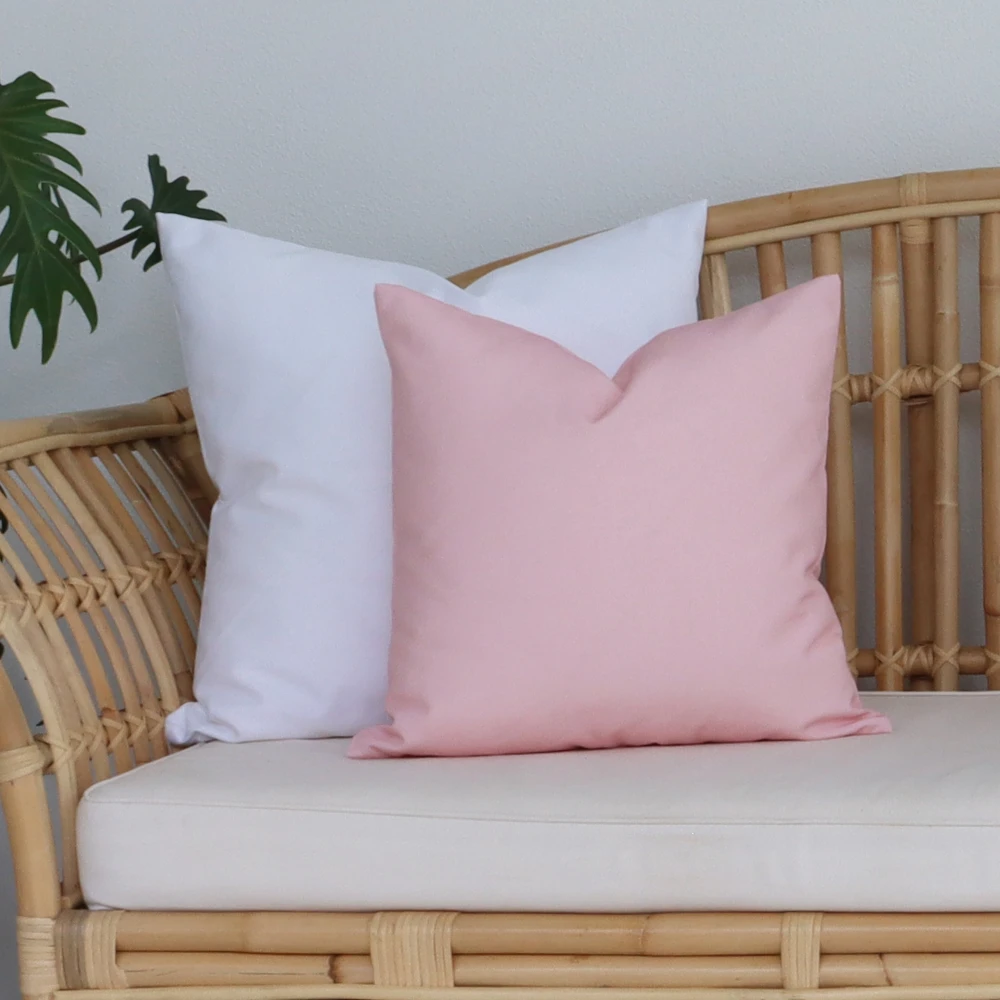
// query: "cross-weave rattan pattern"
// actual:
[[915, 333], [100, 576]]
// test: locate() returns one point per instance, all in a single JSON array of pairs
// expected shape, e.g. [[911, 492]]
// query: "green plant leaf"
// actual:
[[171, 196], [60, 240], [39, 235]]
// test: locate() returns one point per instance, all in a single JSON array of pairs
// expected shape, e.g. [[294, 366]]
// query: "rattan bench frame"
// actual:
[[112, 508]]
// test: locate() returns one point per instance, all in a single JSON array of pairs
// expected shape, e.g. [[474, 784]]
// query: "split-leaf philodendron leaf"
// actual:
[[172, 197], [39, 236]]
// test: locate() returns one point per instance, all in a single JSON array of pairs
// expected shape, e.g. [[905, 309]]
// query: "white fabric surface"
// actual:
[[291, 387], [908, 821]]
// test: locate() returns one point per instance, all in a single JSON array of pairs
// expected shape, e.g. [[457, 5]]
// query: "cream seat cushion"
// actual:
[[909, 821]]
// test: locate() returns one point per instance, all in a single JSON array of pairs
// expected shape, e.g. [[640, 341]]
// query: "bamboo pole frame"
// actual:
[[341, 991], [886, 401], [918, 301], [112, 508], [947, 365], [989, 325], [841, 541]]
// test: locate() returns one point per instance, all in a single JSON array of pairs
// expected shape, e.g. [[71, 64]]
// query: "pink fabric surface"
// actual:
[[592, 562]]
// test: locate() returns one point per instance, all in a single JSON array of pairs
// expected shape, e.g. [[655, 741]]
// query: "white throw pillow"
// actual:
[[291, 390]]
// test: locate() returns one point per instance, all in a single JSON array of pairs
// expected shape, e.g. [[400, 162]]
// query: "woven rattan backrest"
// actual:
[[912, 385], [916, 377], [100, 582]]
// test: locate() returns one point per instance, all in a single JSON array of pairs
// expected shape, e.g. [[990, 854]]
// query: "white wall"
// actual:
[[447, 132]]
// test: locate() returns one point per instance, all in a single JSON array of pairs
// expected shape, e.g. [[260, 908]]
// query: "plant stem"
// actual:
[[122, 241]]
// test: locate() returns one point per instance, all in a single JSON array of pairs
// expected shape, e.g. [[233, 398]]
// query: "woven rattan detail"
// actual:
[[949, 377], [892, 664], [987, 373], [112, 734], [913, 189], [800, 950], [85, 944], [22, 761], [852, 660], [842, 387], [412, 949], [911, 382], [884, 385], [85, 592], [945, 658], [915, 231], [993, 667], [36, 945]]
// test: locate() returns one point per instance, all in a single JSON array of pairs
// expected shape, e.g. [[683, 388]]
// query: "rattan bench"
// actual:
[[99, 593]]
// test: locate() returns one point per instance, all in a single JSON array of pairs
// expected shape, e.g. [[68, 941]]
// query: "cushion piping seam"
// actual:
[[541, 820]]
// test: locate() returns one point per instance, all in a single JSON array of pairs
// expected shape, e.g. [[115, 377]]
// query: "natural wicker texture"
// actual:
[[36, 944], [797, 951], [100, 585], [412, 949]]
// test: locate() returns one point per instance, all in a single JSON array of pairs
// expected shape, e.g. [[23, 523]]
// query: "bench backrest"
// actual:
[[895, 522], [102, 563]]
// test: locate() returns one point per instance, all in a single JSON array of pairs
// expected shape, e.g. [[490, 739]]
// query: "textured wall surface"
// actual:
[[447, 132]]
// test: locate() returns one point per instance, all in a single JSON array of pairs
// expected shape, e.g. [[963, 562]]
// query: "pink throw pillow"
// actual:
[[591, 562]]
